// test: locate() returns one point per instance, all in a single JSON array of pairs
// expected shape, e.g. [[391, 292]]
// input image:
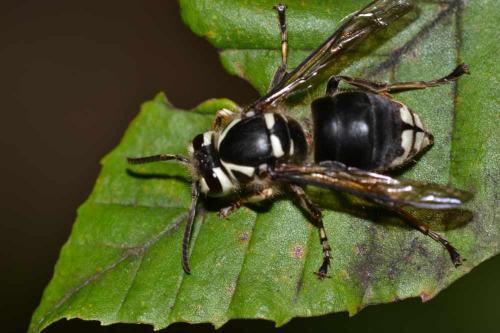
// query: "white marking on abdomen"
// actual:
[[406, 115], [269, 118], [406, 144], [419, 141], [276, 145], [418, 122]]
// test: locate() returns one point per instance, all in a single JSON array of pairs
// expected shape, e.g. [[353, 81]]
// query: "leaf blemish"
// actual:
[[297, 252], [425, 296], [244, 237]]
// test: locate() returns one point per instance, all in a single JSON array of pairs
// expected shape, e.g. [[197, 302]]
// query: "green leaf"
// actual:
[[122, 261]]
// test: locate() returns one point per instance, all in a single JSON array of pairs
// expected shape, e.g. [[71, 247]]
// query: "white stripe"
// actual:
[[224, 180], [207, 138], [406, 140], [277, 148], [246, 170], [204, 186], [405, 115], [418, 122], [269, 118], [292, 148], [419, 140]]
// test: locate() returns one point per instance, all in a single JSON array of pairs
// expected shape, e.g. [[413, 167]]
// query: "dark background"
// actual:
[[72, 76]]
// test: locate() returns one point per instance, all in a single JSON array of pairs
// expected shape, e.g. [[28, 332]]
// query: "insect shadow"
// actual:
[[155, 175], [440, 220]]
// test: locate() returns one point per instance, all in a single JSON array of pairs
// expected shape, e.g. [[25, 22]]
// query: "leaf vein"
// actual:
[[132, 282], [395, 56], [245, 256], [98, 275], [300, 281]]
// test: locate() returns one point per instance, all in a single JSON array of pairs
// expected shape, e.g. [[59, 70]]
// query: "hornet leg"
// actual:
[[424, 228], [253, 196], [281, 71], [315, 214], [381, 87]]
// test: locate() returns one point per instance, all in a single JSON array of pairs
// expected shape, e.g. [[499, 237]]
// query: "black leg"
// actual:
[[315, 215], [281, 71], [381, 87], [157, 158], [424, 228]]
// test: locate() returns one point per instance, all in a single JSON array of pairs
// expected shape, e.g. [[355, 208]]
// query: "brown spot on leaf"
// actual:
[[361, 249], [426, 296], [244, 237], [297, 252]]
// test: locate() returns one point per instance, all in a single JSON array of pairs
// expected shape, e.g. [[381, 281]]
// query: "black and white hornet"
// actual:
[[261, 151]]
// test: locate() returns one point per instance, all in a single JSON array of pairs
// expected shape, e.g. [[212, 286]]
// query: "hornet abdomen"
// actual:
[[366, 130]]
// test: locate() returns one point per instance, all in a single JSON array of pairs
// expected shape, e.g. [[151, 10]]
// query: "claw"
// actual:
[[456, 258], [226, 211], [322, 273]]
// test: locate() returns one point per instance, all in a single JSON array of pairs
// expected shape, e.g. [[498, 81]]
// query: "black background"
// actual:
[[72, 76]]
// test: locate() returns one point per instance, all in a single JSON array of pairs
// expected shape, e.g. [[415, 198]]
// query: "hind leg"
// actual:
[[317, 218], [387, 88]]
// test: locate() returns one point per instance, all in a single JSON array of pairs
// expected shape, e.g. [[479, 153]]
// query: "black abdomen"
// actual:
[[358, 129]]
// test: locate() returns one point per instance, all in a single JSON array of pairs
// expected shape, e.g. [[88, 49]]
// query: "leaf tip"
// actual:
[[161, 97]]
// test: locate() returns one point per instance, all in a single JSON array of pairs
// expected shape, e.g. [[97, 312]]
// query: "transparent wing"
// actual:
[[375, 15], [372, 186]]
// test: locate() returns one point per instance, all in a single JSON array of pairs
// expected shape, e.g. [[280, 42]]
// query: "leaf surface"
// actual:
[[122, 260]]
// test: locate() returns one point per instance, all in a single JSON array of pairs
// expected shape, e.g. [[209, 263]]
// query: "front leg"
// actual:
[[251, 197], [315, 215]]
